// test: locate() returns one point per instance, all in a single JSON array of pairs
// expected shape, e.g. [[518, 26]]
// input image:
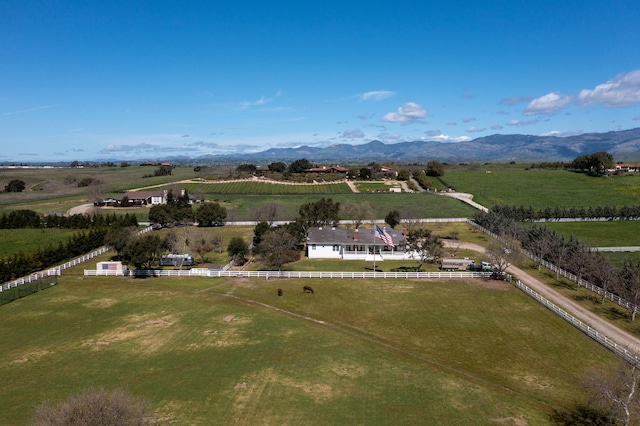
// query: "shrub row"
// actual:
[[31, 219], [22, 264]]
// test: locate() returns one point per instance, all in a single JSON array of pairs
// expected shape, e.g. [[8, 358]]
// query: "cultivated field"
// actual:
[[230, 351], [541, 188]]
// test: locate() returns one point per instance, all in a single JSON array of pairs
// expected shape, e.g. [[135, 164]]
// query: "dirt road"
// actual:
[[621, 337]]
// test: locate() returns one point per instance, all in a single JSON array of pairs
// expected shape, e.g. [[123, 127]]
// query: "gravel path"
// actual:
[[621, 337], [81, 209]]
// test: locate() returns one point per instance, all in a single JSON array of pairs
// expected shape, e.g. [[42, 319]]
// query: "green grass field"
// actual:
[[259, 188], [242, 207], [230, 351], [13, 241], [600, 234], [541, 188]]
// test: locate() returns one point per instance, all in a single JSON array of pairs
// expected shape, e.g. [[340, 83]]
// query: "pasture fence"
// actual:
[[586, 329], [568, 275], [202, 272], [56, 270]]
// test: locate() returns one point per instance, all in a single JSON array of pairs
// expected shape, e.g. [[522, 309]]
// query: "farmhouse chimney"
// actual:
[[355, 235]]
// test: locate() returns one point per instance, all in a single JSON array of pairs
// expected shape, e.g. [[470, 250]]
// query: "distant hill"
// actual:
[[623, 145]]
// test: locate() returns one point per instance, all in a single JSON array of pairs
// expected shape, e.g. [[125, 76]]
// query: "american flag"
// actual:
[[384, 236]]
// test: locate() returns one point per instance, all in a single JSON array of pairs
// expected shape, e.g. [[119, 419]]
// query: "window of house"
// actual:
[[313, 246]]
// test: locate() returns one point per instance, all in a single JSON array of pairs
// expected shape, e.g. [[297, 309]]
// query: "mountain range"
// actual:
[[623, 145]]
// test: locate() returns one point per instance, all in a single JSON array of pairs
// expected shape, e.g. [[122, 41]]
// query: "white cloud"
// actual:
[[406, 114], [33, 109], [515, 100], [521, 123], [353, 134], [562, 134], [547, 104], [377, 95], [433, 133], [623, 90], [496, 127], [475, 129], [468, 119], [259, 102], [447, 138]]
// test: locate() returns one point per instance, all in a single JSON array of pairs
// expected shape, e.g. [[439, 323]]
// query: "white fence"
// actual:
[[200, 272], [589, 331], [57, 269]]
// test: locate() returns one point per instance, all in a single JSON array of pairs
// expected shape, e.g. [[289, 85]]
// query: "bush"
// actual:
[[94, 407]]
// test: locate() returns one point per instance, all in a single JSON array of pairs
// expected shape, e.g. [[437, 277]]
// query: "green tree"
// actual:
[[300, 166], [161, 213], [435, 168], [321, 213], [365, 173], [260, 229], [15, 185], [118, 238], [597, 162], [392, 218], [210, 213], [404, 174], [238, 250], [246, 168], [144, 250], [277, 167]]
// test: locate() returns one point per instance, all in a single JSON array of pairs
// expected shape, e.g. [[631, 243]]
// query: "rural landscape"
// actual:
[[242, 343]]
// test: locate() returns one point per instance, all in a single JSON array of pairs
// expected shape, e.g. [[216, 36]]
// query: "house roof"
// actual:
[[143, 195], [336, 235], [329, 169]]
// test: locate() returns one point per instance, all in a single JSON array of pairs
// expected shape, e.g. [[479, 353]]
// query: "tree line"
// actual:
[[22, 264], [30, 219], [95, 228], [523, 214], [569, 254]]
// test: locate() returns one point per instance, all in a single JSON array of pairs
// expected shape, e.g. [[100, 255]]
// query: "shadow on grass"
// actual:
[[615, 314]]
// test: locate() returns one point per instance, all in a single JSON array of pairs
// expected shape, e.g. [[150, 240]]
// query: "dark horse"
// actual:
[[280, 292], [307, 289]]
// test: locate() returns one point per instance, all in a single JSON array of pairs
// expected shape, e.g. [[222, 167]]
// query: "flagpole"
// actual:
[[374, 249]]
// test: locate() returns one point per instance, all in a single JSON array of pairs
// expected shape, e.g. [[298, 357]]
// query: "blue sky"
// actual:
[[97, 80]]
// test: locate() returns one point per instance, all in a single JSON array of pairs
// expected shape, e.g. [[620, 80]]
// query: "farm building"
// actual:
[[110, 266], [356, 244], [327, 169], [146, 197]]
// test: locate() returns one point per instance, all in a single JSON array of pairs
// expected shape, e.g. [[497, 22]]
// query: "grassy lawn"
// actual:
[[541, 188], [241, 207], [600, 234], [13, 241], [386, 352], [375, 186]]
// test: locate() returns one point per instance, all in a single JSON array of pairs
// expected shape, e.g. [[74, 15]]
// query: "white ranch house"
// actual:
[[354, 244]]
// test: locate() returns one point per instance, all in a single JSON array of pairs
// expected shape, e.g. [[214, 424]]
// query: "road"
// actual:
[[604, 327]]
